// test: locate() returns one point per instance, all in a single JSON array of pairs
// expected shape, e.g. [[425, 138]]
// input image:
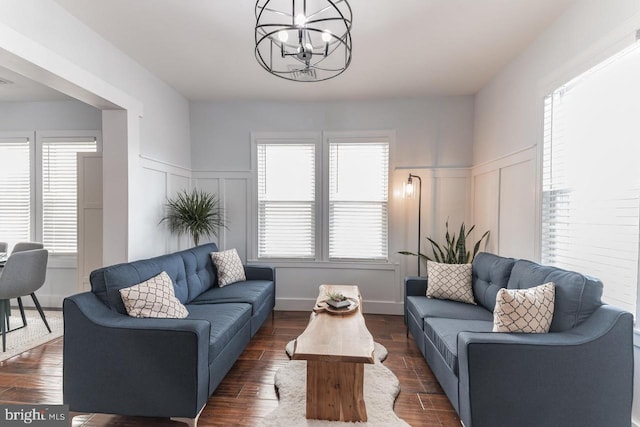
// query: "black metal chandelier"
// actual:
[[303, 40]]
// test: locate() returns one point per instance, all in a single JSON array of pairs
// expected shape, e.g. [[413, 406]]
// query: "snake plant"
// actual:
[[454, 250]]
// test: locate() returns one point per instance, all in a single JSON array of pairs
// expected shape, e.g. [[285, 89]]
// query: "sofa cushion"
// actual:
[[421, 307], [199, 269], [225, 319], [254, 292], [107, 282], [443, 333], [577, 296], [528, 311], [153, 298], [450, 281], [190, 270], [490, 273]]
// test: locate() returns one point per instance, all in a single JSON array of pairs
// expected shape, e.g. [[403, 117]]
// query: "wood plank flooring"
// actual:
[[247, 393]]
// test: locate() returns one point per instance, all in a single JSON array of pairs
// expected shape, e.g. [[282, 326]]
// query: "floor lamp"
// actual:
[[409, 192]]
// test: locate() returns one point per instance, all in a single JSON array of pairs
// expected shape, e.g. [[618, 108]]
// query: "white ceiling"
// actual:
[[401, 48]]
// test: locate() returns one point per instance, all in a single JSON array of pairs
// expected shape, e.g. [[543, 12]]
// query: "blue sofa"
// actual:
[[117, 364], [579, 374]]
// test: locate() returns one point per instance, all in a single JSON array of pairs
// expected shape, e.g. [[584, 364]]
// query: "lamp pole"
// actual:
[[411, 176]]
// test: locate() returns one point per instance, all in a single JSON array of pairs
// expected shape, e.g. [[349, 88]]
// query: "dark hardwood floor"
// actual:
[[247, 392]]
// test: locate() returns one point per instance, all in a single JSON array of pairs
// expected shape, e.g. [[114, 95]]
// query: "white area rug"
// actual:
[[381, 387], [34, 334]]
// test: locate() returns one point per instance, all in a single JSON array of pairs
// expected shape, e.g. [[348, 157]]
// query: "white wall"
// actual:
[[433, 140], [509, 119], [73, 58], [509, 116], [46, 116], [49, 115]]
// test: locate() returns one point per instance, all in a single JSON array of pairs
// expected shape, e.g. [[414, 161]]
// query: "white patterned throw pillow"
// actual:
[[153, 298], [229, 266], [524, 310], [450, 281]]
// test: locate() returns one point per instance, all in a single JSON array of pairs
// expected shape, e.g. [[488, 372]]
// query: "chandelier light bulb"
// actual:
[[283, 36], [326, 36], [300, 20]]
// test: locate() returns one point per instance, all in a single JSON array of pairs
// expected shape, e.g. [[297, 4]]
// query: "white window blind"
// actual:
[[591, 178], [358, 205], [286, 200], [59, 191], [15, 190]]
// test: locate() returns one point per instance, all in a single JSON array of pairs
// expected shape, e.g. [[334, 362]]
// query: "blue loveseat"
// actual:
[[118, 364], [579, 374]]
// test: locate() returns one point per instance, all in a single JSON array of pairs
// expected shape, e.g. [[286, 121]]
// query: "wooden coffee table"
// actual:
[[336, 347]]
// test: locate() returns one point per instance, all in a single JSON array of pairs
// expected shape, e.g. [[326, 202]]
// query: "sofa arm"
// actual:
[[413, 286], [259, 272], [118, 364], [581, 377]]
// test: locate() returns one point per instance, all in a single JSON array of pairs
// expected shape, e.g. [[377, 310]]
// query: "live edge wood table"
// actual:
[[336, 346]]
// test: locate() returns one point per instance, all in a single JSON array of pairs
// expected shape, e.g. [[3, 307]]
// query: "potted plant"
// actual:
[[337, 300], [196, 213], [454, 250]]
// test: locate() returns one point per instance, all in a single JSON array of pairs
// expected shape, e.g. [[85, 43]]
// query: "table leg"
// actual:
[[335, 391]]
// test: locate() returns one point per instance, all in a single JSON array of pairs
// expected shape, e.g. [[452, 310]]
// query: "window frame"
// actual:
[[36, 139], [546, 90], [322, 141], [282, 138], [61, 259], [31, 137], [351, 137]]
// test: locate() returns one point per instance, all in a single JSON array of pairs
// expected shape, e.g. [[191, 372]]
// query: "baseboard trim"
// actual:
[[370, 307], [46, 301]]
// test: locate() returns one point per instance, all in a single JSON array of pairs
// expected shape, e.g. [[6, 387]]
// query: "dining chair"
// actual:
[[26, 246], [23, 274], [20, 247]]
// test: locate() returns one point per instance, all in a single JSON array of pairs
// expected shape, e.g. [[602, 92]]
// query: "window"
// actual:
[[322, 201], [38, 185], [286, 200], [591, 178], [59, 191], [15, 188], [358, 187]]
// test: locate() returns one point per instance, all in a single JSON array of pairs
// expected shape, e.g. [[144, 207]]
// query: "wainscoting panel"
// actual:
[[445, 196], [505, 201], [450, 202], [518, 210], [162, 181], [297, 286], [235, 203], [486, 206]]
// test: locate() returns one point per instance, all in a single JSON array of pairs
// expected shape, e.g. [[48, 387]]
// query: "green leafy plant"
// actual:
[[336, 296], [196, 213], [454, 250]]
